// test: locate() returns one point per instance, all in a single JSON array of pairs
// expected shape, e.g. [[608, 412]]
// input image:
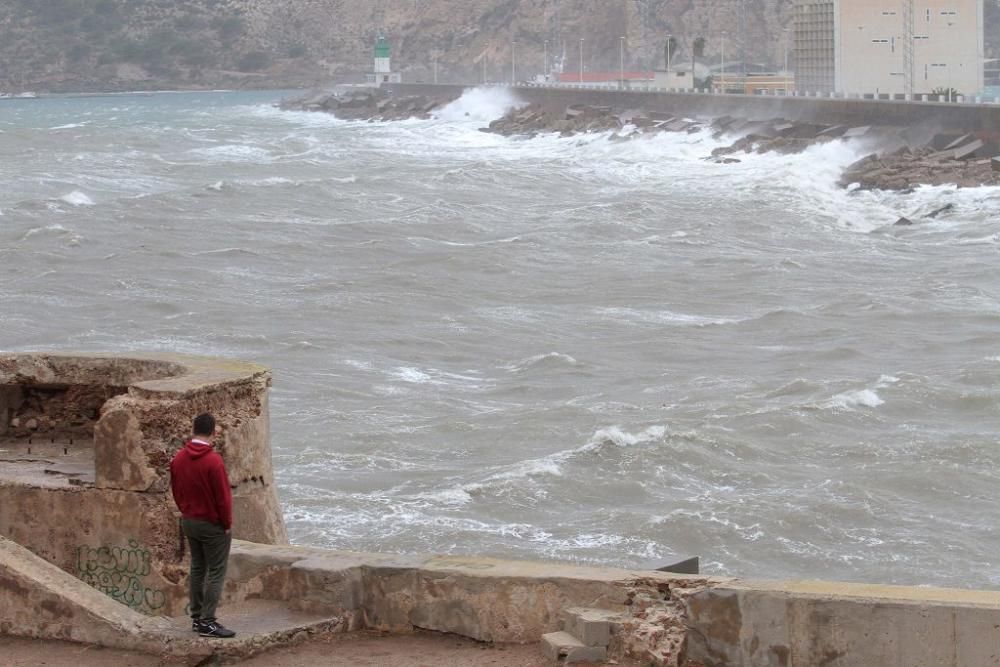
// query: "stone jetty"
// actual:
[[372, 104], [900, 160]]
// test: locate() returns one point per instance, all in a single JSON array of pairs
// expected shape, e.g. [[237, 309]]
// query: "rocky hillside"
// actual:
[[132, 44]]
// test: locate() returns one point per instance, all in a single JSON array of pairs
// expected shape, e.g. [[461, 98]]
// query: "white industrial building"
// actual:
[[893, 47]]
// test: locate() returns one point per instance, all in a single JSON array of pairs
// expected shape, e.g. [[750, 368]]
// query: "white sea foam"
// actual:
[[482, 105], [614, 435], [853, 399], [77, 198], [413, 375], [541, 359], [634, 316], [232, 153]]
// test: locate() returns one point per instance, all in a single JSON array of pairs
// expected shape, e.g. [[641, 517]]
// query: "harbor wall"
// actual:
[[939, 116]]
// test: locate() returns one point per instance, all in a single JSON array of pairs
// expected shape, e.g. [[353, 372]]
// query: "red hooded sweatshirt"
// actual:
[[200, 485]]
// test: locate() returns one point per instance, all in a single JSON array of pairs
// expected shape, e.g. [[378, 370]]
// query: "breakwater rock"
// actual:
[[902, 163], [366, 104], [906, 168]]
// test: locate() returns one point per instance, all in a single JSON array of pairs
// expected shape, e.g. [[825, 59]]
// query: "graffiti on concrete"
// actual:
[[118, 572]]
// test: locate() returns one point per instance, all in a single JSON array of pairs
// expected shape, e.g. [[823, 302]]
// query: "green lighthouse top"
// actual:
[[381, 47]]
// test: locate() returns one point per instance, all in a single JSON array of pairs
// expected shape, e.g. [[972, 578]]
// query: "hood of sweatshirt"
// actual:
[[197, 449]]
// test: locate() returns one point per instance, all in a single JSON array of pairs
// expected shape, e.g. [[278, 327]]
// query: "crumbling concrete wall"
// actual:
[[790, 623], [483, 598], [117, 528]]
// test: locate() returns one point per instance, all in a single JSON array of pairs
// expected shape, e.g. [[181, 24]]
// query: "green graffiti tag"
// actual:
[[118, 572]]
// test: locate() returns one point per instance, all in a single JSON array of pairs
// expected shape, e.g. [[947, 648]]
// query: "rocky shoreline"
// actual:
[[900, 164]]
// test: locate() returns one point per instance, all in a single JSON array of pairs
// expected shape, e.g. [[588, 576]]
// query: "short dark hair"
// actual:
[[204, 424]]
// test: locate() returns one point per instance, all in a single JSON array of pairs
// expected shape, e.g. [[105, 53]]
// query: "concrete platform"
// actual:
[[44, 462], [258, 624]]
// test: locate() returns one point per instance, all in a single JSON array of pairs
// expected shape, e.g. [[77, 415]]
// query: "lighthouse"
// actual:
[[382, 71]]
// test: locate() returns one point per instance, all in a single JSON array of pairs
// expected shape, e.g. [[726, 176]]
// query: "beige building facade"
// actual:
[[889, 47]]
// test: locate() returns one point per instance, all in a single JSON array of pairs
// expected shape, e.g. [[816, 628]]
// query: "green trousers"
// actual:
[[209, 545]]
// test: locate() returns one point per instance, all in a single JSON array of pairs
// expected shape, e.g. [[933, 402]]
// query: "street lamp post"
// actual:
[[513, 62], [722, 74], [786, 52], [669, 37], [435, 69], [545, 67], [861, 32], [581, 60], [621, 62]]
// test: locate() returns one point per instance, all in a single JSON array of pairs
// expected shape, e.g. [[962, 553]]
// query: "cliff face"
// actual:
[[131, 44]]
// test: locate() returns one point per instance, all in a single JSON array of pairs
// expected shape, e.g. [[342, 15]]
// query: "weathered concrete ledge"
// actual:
[[665, 619], [787, 623]]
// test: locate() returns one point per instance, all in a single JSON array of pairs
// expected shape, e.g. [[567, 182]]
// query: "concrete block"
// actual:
[[722, 122], [835, 131], [959, 142], [590, 626], [119, 458], [857, 132], [564, 647], [969, 150], [995, 162]]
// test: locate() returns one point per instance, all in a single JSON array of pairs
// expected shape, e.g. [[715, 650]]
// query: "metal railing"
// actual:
[[659, 90]]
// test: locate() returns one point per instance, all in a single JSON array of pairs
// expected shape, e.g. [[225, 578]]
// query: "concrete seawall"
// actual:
[[981, 119]]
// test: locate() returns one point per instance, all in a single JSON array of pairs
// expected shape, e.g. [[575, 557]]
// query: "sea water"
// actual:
[[556, 348]]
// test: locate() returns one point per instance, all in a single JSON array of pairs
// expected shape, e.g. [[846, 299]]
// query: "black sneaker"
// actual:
[[195, 625], [214, 629]]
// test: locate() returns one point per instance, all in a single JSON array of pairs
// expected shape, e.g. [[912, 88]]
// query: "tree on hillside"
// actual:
[[699, 47], [254, 61]]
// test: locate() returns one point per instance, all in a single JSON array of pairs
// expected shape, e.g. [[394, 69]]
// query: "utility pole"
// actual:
[[621, 60], [743, 42], [785, 84], [908, 47], [513, 63], [581, 60], [722, 74], [545, 62]]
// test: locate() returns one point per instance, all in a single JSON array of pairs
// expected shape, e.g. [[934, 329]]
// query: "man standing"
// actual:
[[200, 486]]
